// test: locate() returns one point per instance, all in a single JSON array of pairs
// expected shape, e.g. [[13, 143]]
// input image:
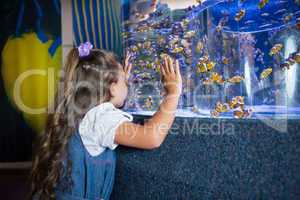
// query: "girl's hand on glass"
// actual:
[[171, 76], [128, 65]]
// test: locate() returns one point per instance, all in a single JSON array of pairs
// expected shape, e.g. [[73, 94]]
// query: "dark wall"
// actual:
[[217, 159]]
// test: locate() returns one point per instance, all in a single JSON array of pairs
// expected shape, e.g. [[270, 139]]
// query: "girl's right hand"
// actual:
[[152, 133], [171, 77]]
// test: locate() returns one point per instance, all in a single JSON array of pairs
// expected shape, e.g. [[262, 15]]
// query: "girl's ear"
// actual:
[[113, 89]]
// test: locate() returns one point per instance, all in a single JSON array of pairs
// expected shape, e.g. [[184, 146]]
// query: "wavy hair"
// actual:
[[85, 83]]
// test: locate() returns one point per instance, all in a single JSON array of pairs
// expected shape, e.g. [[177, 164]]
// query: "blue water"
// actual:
[[245, 43]]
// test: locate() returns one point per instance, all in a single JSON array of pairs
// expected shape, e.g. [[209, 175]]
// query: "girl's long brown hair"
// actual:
[[84, 84]]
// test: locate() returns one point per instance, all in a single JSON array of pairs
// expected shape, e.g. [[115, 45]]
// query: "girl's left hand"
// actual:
[[128, 65]]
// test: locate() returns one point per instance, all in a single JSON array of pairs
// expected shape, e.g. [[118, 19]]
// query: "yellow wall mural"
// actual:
[[30, 75], [31, 57]]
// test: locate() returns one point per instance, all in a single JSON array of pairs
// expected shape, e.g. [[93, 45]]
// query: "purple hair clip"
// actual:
[[84, 49]]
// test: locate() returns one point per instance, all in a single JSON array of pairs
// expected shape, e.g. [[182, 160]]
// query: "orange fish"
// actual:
[[235, 79], [215, 77], [240, 15], [275, 49], [241, 114], [225, 60], [149, 103], [264, 74], [236, 102], [298, 25], [199, 46], [240, 100], [288, 18], [297, 57], [214, 114], [220, 108], [207, 82]]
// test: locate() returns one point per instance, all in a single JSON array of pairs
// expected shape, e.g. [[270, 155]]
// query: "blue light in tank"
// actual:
[[290, 75], [248, 78]]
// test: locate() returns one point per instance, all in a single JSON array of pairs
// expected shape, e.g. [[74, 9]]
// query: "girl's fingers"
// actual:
[[162, 69], [166, 65], [128, 56], [129, 70], [177, 70], [171, 65], [126, 69], [127, 65], [130, 67]]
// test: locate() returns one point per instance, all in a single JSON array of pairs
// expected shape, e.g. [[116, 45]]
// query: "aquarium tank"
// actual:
[[238, 58]]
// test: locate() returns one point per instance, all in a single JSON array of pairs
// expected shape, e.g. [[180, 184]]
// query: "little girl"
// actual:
[[76, 159]]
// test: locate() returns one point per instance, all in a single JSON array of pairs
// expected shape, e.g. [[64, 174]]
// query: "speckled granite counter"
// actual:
[[214, 159]]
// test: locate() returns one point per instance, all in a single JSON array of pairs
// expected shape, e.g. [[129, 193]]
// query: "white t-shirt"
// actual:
[[98, 126]]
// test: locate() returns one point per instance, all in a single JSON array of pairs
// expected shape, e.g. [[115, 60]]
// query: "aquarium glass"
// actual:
[[238, 59]]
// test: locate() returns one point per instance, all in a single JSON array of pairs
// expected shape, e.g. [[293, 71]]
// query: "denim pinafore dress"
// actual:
[[92, 176]]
